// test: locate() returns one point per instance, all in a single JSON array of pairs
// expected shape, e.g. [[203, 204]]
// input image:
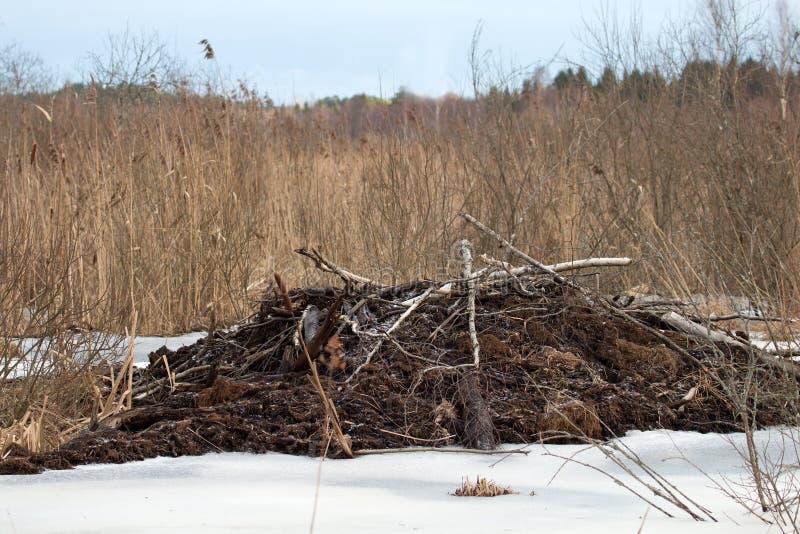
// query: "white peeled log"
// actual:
[[690, 327], [510, 270]]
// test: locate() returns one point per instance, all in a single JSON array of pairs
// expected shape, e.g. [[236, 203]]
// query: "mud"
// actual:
[[554, 367]]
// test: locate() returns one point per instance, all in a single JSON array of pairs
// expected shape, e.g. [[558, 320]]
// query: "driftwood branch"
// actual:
[[735, 315]]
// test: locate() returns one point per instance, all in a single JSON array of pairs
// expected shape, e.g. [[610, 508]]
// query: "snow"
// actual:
[[763, 342], [110, 346], [408, 492], [144, 345]]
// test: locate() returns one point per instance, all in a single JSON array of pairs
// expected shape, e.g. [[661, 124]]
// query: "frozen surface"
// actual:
[[109, 346], [144, 345], [764, 343], [407, 492]]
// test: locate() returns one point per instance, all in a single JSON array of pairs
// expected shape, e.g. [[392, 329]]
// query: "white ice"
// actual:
[[408, 492], [110, 346]]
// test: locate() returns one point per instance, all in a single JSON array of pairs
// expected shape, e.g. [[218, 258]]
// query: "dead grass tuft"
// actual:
[[482, 487], [27, 432]]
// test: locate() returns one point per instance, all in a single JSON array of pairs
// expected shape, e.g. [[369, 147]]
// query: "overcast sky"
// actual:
[[310, 49]]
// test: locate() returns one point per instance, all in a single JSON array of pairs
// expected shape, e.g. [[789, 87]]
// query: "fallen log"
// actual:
[[686, 326], [510, 270]]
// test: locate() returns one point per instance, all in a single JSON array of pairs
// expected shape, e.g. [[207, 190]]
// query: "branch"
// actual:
[[511, 248], [330, 267], [439, 449]]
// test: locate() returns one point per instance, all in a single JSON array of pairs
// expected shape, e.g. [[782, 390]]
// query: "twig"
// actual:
[[422, 440], [193, 431], [330, 267], [438, 449], [366, 362], [511, 248], [444, 323], [284, 294], [410, 309], [318, 484], [714, 317], [689, 397]]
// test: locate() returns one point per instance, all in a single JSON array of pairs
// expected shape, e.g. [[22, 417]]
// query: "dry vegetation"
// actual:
[[180, 205], [482, 487], [177, 206]]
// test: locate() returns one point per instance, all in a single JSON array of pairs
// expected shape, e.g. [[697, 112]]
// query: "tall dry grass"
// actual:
[[193, 201]]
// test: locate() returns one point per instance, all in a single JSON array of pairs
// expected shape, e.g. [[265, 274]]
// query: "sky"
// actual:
[[303, 50]]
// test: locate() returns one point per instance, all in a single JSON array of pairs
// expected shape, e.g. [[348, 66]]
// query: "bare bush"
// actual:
[[22, 72], [130, 60]]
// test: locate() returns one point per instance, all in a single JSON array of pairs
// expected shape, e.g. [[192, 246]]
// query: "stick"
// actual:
[[410, 309], [689, 327], [284, 295], [466, 253], [330, 267], [369, 359], [438, 449], [406, 436], [440, 328], [685, 399], [730, 316], [511, 248]]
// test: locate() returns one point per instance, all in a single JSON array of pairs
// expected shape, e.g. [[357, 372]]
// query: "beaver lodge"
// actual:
[[502, 354]]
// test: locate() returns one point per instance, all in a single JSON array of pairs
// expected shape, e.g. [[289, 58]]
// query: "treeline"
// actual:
[[697, 81]]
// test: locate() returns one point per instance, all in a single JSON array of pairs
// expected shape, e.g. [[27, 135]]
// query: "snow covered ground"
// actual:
[[409, 492]]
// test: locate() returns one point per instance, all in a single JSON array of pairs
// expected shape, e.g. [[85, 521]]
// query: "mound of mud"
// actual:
[[556, 363]]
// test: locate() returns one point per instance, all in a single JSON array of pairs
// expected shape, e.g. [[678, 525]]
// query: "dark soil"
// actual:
[[554, 366]]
